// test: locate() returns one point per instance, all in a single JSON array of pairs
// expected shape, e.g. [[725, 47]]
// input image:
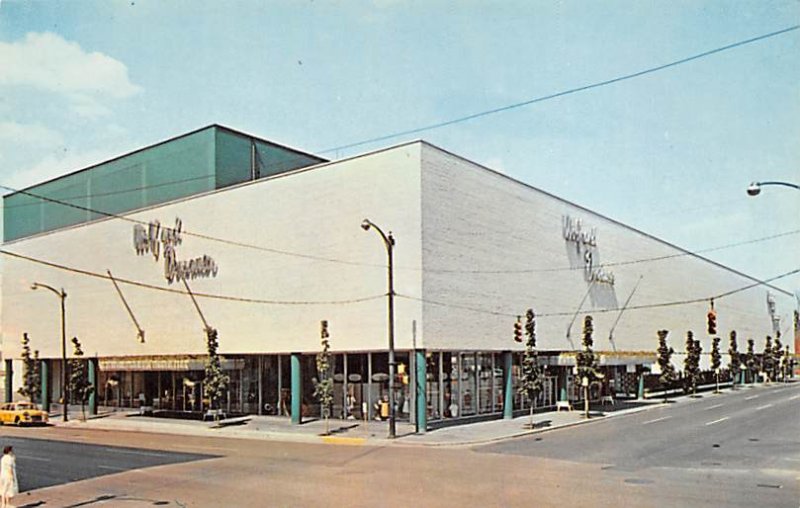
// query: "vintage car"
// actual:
[[22, 413]]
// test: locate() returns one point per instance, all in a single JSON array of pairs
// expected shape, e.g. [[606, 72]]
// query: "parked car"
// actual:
[[22, 413]]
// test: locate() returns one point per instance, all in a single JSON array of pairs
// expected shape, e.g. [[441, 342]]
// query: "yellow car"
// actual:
[[22, 413]]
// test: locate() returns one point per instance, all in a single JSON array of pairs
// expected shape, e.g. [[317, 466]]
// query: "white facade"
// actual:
[[474, 248]]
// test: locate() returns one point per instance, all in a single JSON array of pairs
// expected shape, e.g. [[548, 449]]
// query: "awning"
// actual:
[[168, 363]]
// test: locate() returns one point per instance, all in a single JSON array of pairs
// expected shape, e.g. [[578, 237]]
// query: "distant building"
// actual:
[[268, 239]]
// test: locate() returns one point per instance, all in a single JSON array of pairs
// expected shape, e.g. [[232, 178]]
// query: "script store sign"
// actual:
[[161, 242]]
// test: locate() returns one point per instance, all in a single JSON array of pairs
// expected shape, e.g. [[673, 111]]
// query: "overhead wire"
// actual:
[[563, 93], [446, 123], [381, 265], [715, 297], [213, 296]]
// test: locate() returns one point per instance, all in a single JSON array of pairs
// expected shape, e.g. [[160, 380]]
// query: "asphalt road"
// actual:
[[717, 450], [664, 456], [45, 463]]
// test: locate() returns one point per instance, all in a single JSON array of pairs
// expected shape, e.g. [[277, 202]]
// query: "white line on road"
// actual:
[[765, 406], [132, 452], [112, 468], [25, 457], [795, 397], [713, 407], [195, 448], [657, 420], [717, 421], [751, 397]]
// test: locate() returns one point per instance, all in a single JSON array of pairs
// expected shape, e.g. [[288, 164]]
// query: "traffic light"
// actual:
[[518, 330], [712, 322]]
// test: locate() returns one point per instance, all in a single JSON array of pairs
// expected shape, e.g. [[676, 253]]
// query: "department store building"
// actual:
[[268, 240]]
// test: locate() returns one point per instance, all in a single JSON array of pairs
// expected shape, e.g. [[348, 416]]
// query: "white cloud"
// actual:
[[35, 136], [46, 61]]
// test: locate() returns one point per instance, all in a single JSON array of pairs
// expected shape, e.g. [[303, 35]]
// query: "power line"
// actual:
[[377, 265], [213, 296], [196, 235], [563, 93], [602, 311], [615, 263], [144, 285]]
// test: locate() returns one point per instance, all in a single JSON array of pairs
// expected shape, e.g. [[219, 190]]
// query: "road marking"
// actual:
[[657, 420], [713, 407], [352, 441], [717, 421], [195, 448], [751, 397], [112, 468], [795, 397], [33, 458], [764, 407], [132, 452]]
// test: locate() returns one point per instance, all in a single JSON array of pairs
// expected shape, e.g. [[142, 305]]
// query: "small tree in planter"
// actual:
[[750, 359], [786, 364], [691, 365], [215, 381], [323, 387], [530, 384], [767, 362], [79, 385], [668, 374], [587, 363], [777, 354], [32, 379], [735, 365], [716, 361]]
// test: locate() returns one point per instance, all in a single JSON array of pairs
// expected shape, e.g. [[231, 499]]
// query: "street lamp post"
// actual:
[[388, 241], [755, 187], [63, 296]]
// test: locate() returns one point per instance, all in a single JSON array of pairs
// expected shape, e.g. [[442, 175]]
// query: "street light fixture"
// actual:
[[755, 187], [388, 241], [63, 296]]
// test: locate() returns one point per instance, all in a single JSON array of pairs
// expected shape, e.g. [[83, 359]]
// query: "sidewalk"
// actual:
[[374, 433], [354, 432]]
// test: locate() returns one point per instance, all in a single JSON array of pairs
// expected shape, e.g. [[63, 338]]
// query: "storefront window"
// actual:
[[402, 386], [468, 384], [433, 380], [357, 378], [452, 404], [485, 383]]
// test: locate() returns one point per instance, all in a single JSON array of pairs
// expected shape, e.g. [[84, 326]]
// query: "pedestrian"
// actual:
[[8, 477]]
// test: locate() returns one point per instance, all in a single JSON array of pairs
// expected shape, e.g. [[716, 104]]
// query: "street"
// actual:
[[745, 443], [41, 462], [734, 449]]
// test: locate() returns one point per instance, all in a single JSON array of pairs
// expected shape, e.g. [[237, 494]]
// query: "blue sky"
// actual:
[[670, 153]]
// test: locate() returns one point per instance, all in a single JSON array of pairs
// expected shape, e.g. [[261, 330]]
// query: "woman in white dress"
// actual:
[[8, 477]]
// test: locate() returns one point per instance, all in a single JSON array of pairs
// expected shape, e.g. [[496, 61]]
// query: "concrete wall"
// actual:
[[492, 244], [315, 213]]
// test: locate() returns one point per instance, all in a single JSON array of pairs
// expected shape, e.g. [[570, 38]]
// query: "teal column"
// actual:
[[422, 385], [44, 371], [640, 392], [508, 386], [297, 389], [93, 384], [9, 380]]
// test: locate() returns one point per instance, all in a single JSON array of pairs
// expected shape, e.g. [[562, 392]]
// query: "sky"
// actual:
[[670, 152]]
